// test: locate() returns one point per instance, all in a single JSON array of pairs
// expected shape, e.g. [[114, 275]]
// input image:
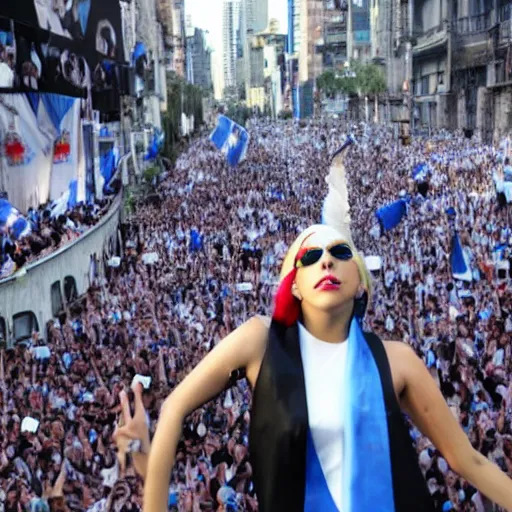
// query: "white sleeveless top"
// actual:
[[324, 367]]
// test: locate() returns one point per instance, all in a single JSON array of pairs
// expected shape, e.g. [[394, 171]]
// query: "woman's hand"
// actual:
[[132, 429]]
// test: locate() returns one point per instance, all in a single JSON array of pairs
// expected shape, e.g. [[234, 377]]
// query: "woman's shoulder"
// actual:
[[264, 320], [259, 327], [399, 350]]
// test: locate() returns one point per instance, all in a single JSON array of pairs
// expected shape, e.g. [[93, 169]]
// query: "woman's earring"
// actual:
[[360, 293]]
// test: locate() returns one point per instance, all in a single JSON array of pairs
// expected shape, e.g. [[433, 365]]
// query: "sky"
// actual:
[[207, 14]]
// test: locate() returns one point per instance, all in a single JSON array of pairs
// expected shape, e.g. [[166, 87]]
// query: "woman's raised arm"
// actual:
[[243, 348], [336, 207]]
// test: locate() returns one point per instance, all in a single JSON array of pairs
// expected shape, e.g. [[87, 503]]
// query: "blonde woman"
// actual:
[[327, 427]]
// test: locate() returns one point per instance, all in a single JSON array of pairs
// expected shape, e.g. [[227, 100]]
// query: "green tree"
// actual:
[[330, 83], [182, 97], [327, 84], [370, 83], [370, 79]]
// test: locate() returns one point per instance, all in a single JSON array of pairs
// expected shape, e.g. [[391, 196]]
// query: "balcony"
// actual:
[[472, 30], [505, 32], [336, 39], [472, 24], [430, 41]]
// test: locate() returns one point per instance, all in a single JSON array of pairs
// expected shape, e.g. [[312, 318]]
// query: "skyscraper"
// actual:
[[311, 35], [232, 44], [257, 15], [293, 26], [199, 71]]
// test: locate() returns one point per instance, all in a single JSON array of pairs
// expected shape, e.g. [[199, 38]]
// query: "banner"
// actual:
[[95, 24], [42, 146], [27, 151], [72, 48]]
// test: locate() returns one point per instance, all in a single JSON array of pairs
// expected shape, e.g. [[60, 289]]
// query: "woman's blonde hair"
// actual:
[[289, 260]]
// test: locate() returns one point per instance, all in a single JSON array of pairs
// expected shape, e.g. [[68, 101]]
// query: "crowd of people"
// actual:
[[47, 232], [205, 257]]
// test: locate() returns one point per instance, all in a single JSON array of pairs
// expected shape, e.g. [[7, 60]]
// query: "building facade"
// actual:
[[257, 15], [271, 69], [311, 37], [178, 37], [462, 66], [359, 41], [199, 69], [335, 51], [141, 24], [231, 40]]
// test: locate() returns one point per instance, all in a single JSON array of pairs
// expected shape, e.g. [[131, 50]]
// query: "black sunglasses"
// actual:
[[308, 257]]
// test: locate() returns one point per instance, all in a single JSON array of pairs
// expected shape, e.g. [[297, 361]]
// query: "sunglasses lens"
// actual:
[[342, 252], [311, 257]]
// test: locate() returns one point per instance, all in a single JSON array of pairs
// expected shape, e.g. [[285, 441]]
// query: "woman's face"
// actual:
[[337, 293]]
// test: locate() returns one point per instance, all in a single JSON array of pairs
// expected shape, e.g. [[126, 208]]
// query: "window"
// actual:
[[24, 324], [56, 296], [424, 85], [70, 291], [3, 332]]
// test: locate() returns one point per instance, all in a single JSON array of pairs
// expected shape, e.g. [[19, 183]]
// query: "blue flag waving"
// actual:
[[460, 264], [232, 139], [390, 215], [420, 172], [461, 268], [12, 221]]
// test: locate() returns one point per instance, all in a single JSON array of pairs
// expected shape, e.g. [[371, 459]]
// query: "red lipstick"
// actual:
[[328, 282]]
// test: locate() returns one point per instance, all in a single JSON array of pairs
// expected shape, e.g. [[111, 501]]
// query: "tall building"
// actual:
[[334, 42], [257, 15], [359, 42], [293, 26], [232, 44], [178, 37], [199, 70], [142, 24], [274, 73], [311, 36], [292, 58]]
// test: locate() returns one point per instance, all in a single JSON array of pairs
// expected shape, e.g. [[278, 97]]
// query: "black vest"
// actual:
[[279, 426]]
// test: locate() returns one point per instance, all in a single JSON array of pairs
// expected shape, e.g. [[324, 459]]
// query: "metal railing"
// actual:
[[472, 24], [505, 31], [505, 12]]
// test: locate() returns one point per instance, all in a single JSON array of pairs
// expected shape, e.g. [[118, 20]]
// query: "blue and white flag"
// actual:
[[12, 221], [156, 145], [420, 172], [232, 139], [391, 215], [461, 269], [66, 201]]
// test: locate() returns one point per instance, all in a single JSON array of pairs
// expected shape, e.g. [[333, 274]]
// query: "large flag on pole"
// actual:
[[232, 139], [461, 269]]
